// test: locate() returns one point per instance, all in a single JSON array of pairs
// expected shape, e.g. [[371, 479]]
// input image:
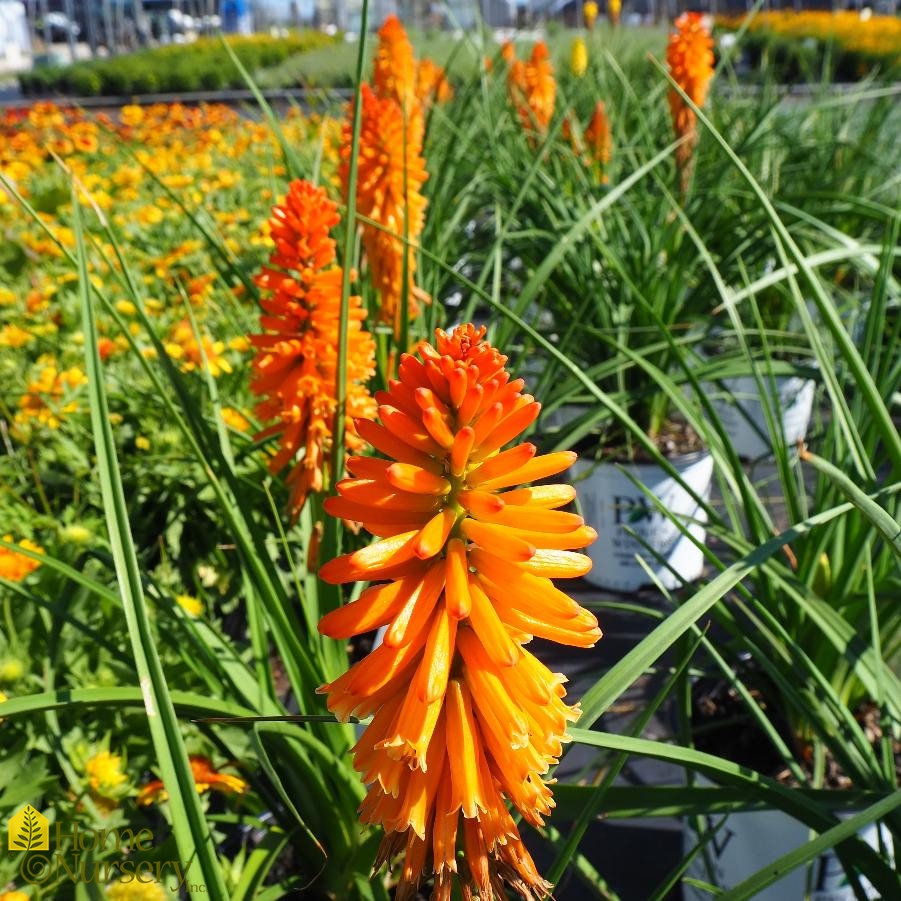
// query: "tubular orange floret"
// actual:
[[295, 367], [465, 587]]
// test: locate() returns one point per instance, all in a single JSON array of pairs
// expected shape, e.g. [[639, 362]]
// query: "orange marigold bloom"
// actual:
[[464, 717], [689, 56], [394, 73], [295, 367], [206, 777], [390, 174], [15, 566]]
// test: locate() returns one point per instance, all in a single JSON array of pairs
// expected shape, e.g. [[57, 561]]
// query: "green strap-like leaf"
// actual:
[[192, 833]]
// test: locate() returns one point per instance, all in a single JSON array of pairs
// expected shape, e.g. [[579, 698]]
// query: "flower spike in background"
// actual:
[[599, 141], [390, 175], [578, 57], [541, 86], [394, 67], [295, 366], [462, 580], [689, 56]]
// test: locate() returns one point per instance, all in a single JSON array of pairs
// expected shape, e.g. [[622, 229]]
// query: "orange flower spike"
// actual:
[[432, 84], [295, 367], [390, 176], [394, 73], [537, 82], [689, 56], [467, 583], [599, 140]]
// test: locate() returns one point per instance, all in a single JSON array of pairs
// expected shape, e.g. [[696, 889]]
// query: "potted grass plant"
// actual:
[[607, 272], [768, 396], [805, 652]]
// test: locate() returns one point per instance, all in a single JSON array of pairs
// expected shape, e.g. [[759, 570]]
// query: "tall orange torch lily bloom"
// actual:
[[533, 88], [599, 140], [394, 67], [432, 84], [390, 174], [464, 718], [689, 56], [295, 367], [398, 75]]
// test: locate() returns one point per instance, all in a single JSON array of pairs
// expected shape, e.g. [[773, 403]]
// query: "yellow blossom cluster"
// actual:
[[857, 32], [50, 395]]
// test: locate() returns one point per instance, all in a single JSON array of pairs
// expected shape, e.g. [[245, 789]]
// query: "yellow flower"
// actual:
[[234, 419], [13, 336], [142, 443], [132, 115], [183, 345], [590, 13], [135, 890], [11, 669], [126, 307], [76, 534], [614, 8], [578, 58], [191, 605], [105, 774], [13, 896]]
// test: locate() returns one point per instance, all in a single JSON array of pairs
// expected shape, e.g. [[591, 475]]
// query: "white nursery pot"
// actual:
[[742, 413], [748, 842], [610, 503]]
